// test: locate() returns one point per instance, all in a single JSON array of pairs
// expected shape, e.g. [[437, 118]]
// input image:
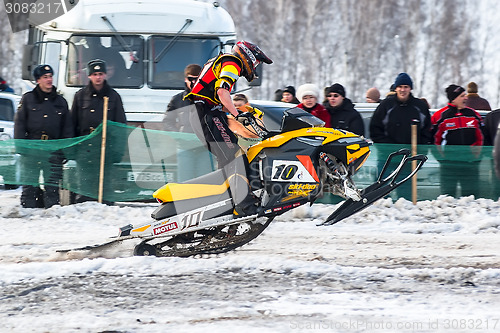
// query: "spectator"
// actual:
[[87, 108], [474, 101], [426, 102], [373, 95], [391, 121], [457, 124], [448, 131], [278, 95], [87, 113], [341, 111], [309, 93], [5, 87], [195, 161], [42, 115], [392, 91], [289, 95], [246, 134], [240, 100], [491, 122], [178, 121]]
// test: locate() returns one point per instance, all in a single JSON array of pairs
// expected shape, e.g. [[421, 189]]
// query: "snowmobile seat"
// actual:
[[212, 184], [198, 192]]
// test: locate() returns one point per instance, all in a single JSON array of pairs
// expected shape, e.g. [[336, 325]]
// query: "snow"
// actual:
[[395, 267]]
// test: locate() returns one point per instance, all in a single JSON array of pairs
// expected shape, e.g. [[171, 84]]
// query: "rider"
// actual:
[[211, 94]]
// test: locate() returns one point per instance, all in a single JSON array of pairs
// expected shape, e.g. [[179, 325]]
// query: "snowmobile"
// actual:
[[287, 169]]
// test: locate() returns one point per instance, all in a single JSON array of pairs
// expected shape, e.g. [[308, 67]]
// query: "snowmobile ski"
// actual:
[[98, 246], [380, 188]]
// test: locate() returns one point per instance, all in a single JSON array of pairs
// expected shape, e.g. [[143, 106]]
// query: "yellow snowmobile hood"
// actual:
[[354, 151]]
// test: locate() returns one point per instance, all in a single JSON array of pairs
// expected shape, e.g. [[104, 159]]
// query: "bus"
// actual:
[[146, 45]]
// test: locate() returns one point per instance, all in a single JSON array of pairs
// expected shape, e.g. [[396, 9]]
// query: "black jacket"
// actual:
[[87, 108], [43, 115], [491, 122], [346, 117], [391, 121], [177, 115]]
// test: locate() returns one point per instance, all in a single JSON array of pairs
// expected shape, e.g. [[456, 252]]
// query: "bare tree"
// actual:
[[11, 52], [359, 44]]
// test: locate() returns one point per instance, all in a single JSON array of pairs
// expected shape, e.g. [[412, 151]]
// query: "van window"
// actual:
[[123, 56], [50, 56], [6, 109], [169, 57]]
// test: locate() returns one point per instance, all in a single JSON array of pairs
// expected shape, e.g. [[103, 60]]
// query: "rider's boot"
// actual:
[[245, 202], [246, 207]]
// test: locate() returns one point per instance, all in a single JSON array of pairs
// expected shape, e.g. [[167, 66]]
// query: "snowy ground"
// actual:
[[433, 267]]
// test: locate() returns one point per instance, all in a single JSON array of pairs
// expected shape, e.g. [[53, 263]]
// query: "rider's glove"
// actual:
[[244, 118]]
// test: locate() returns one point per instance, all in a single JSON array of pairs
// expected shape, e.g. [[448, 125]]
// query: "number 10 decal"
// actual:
[[286, 171]]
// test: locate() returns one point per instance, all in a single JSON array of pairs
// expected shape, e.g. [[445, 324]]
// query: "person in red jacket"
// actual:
[[457, 124], [308, 95]]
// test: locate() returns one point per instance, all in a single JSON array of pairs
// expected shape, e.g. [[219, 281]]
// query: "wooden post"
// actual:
[[103, 148], [414, 140]]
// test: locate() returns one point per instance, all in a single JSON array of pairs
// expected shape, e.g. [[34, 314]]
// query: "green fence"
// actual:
[[138, 161], [453, 170]]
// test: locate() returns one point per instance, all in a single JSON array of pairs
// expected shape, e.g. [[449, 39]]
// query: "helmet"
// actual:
[[251, 56]]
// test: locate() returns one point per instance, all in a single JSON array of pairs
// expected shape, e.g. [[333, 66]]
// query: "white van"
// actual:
[[146, 45]]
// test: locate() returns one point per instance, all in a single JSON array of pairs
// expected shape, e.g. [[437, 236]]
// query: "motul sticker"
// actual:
[[165, 228]]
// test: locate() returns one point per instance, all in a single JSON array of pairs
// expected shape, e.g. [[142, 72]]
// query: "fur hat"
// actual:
[[403, 79], [336, 88], [373, 94], [472, 88], [307, 89], [41, 70], [95, 66], [453, 91]]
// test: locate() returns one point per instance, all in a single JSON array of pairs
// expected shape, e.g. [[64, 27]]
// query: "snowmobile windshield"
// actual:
[[123, 57], [296, 118]]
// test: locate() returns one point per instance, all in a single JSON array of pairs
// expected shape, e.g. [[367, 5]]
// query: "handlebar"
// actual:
[[251, 121]]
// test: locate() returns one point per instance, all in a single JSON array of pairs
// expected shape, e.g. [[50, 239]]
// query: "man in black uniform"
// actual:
[[88, 104], [87, 113], [42, 115]]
